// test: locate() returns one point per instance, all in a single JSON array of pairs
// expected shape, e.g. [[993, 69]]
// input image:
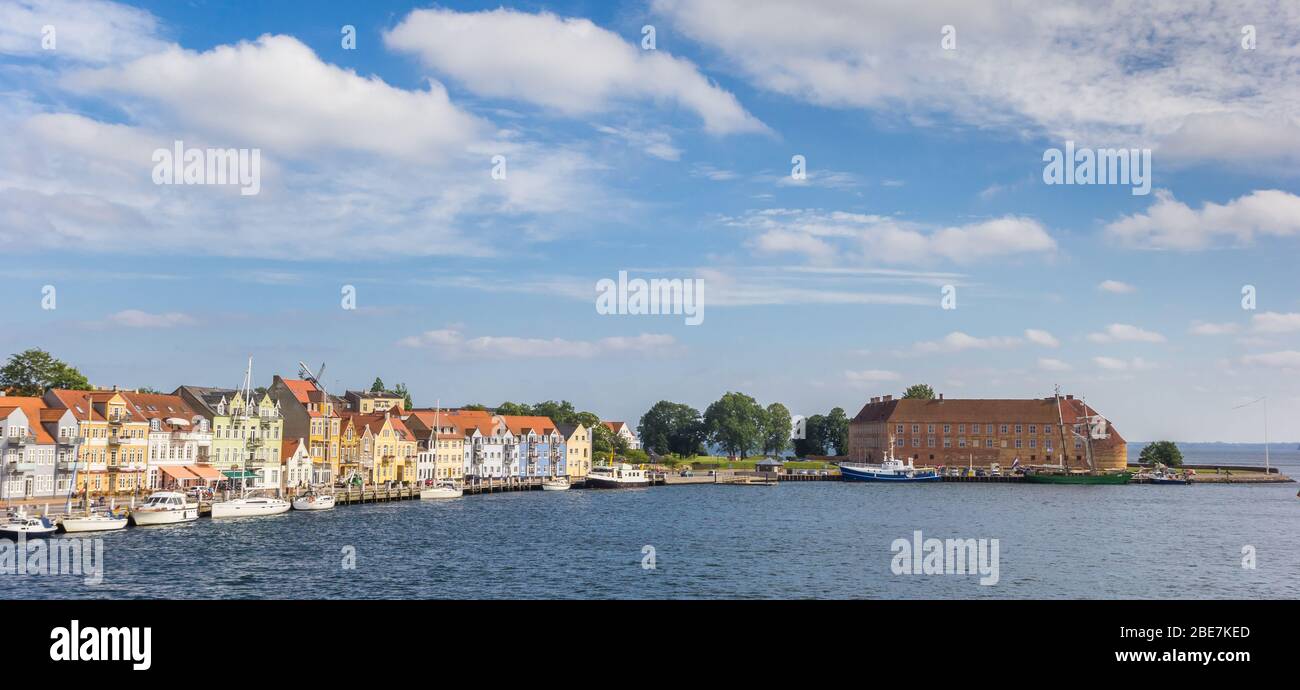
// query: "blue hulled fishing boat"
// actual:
[[889, 470]]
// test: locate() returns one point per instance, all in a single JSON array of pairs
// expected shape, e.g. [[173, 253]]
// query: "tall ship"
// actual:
[[1086, 428], [891, 469]]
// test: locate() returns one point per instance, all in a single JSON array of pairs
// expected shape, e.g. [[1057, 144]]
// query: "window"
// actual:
[[988, 443], [1004, 428], [1019, 443], [929, 429], [1047, 428], [898, 429], [947, 442], [961, 442], [930, 442], [916, 428], [961, 428], [1033, 428], [916, 441], [1019, 429], [1033, 443], [989, 430]]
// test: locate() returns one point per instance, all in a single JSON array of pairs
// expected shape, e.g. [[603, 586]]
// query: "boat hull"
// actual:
[[93, 524], [440, 493], [233, 509], [315, 503], [164, 517], [858, 474], [1109, 478], [595, 482], [555, 486]]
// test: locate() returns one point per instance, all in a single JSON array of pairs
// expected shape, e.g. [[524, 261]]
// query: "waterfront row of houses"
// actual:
[[287, 437]]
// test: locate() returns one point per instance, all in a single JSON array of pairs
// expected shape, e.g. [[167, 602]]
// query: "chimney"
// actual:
[[1069, 397], [941, 396], [887, 398]]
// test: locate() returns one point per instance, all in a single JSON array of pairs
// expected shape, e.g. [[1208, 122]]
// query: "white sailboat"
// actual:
[[165, 508], [442, 490], [94, 522], [249, 505], [91, 521], [556, 484], [313, 501]]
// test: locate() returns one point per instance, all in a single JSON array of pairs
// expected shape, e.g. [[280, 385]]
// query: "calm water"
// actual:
[[807, 539]]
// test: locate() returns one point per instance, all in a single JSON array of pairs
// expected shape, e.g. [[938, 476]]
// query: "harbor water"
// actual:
[[796, 540]]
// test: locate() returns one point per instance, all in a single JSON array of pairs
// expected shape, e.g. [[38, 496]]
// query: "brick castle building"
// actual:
[[982, 432]]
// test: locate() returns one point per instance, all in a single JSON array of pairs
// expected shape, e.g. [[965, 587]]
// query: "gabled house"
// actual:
[[28, 452], [246, 434], [310, 414], [180, 441], [114, 441], [621, 429]]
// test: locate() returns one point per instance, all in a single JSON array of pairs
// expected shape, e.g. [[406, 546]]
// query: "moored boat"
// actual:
[[620, 476], [442, 490], [556, 484], [1040, 476], [891, 469], [95, 522], [165, 508], [313, 501], [250, 506], [22, 524]]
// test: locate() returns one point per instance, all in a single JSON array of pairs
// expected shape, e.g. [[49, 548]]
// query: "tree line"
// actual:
[[740, 425]]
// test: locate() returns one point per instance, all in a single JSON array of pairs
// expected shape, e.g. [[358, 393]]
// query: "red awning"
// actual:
[[178, 473], [204, 473]]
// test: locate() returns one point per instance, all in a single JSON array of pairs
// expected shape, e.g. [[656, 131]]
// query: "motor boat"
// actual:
[[21, 524], [94, 522], [620, 476], [556, 484], [250, 506], [442, 490], [165, 508], [891, 469], [313, 501]]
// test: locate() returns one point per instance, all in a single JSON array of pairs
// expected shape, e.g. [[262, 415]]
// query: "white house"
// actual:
[[625, 431], [296, 466]]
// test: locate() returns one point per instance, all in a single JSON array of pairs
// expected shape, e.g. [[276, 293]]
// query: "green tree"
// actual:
[[837, 431], [561, 412], [814, 440], [514, 409], [34, 371], [920, 391], [401, 390], [735, 422], [603, 441], [670, 427], [776, 429], [475, 406], [1165, 452], [377, 386]]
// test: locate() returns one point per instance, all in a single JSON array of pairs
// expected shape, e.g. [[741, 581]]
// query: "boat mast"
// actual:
[[1061, 419]]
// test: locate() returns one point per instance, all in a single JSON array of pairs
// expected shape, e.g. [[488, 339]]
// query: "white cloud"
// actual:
[[1168, 76], [1286, 359], [1122, 332], [1171, 224], [1116, 287], [1115, 364], [1273, 322], [568, 65], [657, 144], [1043, 338], [870, 376], [958, 341], [453, 342], [90, 31], [857, 237], [1205, 328], [134, 318], [1050, 364], [275, 93]]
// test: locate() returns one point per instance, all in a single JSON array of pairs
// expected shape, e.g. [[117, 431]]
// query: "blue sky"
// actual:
[[924, 169]]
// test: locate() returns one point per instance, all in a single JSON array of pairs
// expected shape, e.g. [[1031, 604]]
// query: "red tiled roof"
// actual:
[[520, 425], [982, 411], [32, 408]]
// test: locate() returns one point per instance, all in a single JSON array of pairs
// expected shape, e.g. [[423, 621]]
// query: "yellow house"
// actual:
[[449, 446], [309, 414], [577, 449], [385, 449], [113, 452]]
